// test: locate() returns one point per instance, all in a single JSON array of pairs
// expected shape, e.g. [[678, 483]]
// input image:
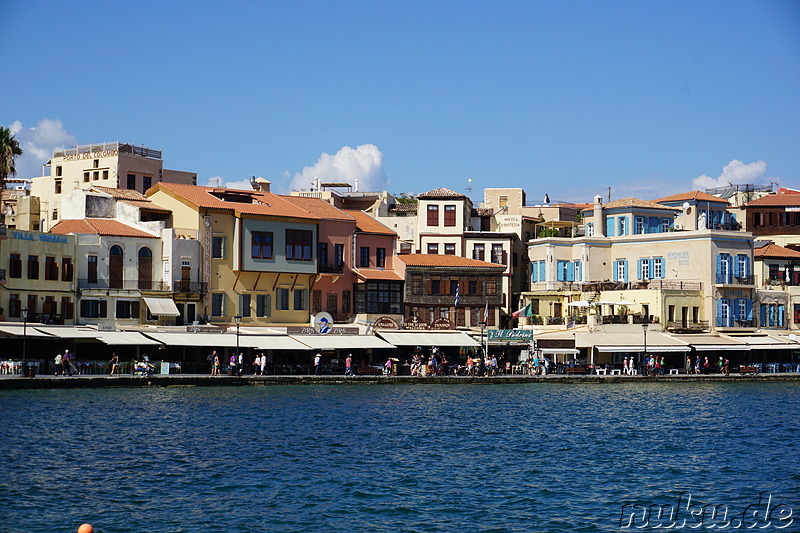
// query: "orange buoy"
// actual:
[[86, 528]]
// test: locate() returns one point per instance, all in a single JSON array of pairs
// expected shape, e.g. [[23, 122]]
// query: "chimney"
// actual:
[[597, 217], [261, 185]]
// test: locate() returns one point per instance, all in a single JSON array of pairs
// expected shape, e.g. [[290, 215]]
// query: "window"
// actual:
[[132, 181], [665, 225], [322, 253], [638, 225], [491, 286], [658, 268], [453, 286], [283, 300], [96, 163], [346, 302], [378, 297], [774, 272], [316, 301], [498, 255], [105, 174], [644, 269], [578, 268], [127, 309], [610, 227], [244, 304], [363, 255], [450, 215], [433, 215], [115, 267], [434, 286], [416, 284], [589, 229], [50, 268], [261, 244], [724, 268], [449, 248], [299, 299], [621, 270], [332, 304], [145, 268], [55, 214], [502, 201], [433, 248], [380, 257], [15, 266], [742, 266], [298, 244], [218, 304], [14, 306], [32, 307], [724, 313], [623, 225], [91, 269], [339, 253], [59, 171], [472, 287], [479, 252], [94, 308], [67, 309], [95, 175], [85, 176], [263, 305], [58, 187], [147, 182], [219, 247], [33, 267]]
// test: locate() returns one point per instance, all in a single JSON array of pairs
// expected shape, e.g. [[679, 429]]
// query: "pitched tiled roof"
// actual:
[[321, 208], [773, 250], [438, 260], [367, 224], [378, 274], [635, 202], [267, 203], [100, 226], [693, 195], [441, 192], [404, 207], [775, 200], [131, 197]]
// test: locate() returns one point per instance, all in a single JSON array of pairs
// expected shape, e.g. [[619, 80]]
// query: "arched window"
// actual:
[[115, 263], [145, 269]]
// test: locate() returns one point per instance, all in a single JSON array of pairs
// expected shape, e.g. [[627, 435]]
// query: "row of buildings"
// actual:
[[110, 238]]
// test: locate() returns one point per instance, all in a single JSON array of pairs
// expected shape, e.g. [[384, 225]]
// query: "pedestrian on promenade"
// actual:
[[318, 364], [215, 364], [697, 363], [263, 363], [256, 365], [348, 365], [726, 367], [232, 369], [494, 365], [114, 363], [66, 360], [706, 366], [388, 366], [59, 365], [688, 367], [240, 366]]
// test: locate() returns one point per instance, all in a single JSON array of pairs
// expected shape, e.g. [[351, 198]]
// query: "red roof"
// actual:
[[253, 202], [444, 260], [367, 224], [319, 207], [775, 251], [441, 193], [693, 195], [776, 200], [100, 226], [377, 274]]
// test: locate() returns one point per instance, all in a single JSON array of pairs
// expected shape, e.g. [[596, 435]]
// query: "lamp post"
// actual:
[[24, 368], [644, 357], [482, 325], [238, 320]]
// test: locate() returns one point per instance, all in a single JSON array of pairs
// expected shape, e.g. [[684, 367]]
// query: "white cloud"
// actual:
[[38, 143], [364, 163], [735, 172]]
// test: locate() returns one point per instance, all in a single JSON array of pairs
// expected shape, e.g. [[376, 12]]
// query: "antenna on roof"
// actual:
[[469, 188]]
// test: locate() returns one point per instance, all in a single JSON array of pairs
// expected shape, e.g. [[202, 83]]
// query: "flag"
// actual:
[[457, 287], [525, 311], [486, 313]]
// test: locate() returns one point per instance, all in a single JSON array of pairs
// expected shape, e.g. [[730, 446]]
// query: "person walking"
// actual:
[[348, 365], [232, 369], [215, 365], [66, 360], [59, 365], [114, 363], [263, 363], [318, 364]]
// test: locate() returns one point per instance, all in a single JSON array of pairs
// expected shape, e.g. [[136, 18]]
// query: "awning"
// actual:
[[559, 351], [274, 342], [17, 331], [161, 306], [124, 338], [712, 343], [67, 332], [766, 342], [212, 340], [341, 342], [640, 348], [429, 338]]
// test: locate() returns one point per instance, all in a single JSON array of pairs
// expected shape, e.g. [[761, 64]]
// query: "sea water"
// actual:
[[523, 457]]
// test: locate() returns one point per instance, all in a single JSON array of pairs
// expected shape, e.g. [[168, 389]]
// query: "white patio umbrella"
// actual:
[[579, 303], [625, 302]]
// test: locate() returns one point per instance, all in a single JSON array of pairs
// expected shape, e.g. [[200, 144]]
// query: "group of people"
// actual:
[[64, 364], [704, 366], [238, 366], [537, 366]]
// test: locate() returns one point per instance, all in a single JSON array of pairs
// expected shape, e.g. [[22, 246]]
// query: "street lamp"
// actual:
[[482, 325], [24, 342], [238, 320], [644, 357]]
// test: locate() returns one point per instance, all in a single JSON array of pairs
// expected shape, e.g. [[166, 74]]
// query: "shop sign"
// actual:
[[385, 322], [509, 334], [204, 329], [309, 330], [415, 323], [553, 344], [442, 323]]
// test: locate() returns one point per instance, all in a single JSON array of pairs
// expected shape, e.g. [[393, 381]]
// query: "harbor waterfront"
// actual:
[[541, 456]]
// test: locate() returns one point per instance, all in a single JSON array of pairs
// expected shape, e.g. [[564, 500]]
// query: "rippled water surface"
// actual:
[[531, 457]]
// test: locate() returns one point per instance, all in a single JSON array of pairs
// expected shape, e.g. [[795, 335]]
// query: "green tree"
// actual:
[[9, 151]]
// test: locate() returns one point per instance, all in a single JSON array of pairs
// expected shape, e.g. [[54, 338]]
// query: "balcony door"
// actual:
[[115, 267]]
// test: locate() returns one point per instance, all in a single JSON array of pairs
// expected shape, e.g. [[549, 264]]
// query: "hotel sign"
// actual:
[[43, 237], [90, 155], [509, 334]]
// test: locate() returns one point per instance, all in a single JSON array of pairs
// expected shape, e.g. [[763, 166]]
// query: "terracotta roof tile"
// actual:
[[441, 192], [693, 195], [775, 200], [773, 250], [321, 208], [635, 202], [367, 224], [266, 203], [405, 207], [124, 194], [377, 274], [439, 260], [100, 226]]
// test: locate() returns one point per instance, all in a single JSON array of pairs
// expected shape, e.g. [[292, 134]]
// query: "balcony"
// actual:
[[734, 323], [727, 279], [331, 269], [189, 287], [599, 286], [124, 284], [698, 325]]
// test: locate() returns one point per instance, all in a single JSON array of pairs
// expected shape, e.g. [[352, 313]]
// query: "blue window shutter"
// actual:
[[781, 313], [559, 271], [570, 271], [746, 266], [625, 270], [580, 270], [534, 272], [737, 267], [719, 312], [763, 315], [749, 309], [719, 264], [615, 273], [609, 226], [542, 271], [772, 315], [735, 313], [652, 267], [639, 268], [652, 225]]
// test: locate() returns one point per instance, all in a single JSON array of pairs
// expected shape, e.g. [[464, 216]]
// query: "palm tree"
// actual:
[[9, 151]]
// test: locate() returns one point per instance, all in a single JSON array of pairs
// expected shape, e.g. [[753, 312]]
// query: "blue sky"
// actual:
[[565, 98]]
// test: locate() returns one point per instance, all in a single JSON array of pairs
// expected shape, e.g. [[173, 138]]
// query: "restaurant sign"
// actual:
[[417, 324], [509, 334], [309, 330], [385, 322]]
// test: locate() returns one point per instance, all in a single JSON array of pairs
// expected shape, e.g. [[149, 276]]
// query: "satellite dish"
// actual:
[[686, 206]]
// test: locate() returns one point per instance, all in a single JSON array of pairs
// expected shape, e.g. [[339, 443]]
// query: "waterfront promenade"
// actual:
[[205, 380]]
